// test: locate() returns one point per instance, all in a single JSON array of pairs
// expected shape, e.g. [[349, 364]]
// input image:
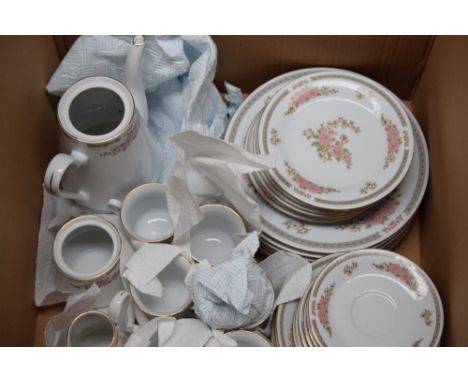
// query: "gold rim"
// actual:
[[112, 265], [260, 336], [104, 141], [170, 314], [98, 312], [434, 295], [132, 234], [230, 209]]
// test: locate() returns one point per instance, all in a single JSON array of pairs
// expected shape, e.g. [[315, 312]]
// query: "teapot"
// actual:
[[105, 145]]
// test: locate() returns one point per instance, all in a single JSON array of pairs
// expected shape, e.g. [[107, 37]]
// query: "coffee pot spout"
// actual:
[[132, 76]]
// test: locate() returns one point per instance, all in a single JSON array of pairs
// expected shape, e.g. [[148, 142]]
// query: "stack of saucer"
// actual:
[[363, 298], [345, 176]]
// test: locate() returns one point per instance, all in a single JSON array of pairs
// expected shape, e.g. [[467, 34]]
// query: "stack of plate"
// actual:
[[345, 176], [363, 298]]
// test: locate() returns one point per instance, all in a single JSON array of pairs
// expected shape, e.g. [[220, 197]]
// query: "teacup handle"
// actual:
[[121, 312], [57, 167], [115, 205]]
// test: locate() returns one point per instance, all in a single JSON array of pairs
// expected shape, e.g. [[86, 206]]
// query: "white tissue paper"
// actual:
[[147, 262], [57, 327], [169, 332], [289, 274], [234, 294], [209, 168]]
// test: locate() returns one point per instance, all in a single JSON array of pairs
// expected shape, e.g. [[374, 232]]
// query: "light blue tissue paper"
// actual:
[[177, 73]]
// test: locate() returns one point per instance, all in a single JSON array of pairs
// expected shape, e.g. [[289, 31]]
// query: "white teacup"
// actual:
[[91, 329], [213, 238], [175, 297], [245, 338], [87, 250], [144, 213]]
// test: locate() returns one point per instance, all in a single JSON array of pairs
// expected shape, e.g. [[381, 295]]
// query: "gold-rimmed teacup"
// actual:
[[213, 239], [175, 298], [92, 328], [144, 213]]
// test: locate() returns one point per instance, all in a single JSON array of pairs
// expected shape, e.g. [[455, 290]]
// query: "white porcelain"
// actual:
[[144, 213], [120, 310], [106, 148], [341, 141], [375, 227], [87, 250], [374, 298], [245, 338], [175, 297], [213, 239], [91, 329]]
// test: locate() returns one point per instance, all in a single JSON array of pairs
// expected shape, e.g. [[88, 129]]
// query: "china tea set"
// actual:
[[109, 163]]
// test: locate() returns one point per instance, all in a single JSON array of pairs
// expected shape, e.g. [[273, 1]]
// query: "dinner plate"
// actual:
[[374, 298], [378, 225], [340, 140]]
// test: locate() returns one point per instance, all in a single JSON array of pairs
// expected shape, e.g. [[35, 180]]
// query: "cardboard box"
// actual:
[[429, 73]]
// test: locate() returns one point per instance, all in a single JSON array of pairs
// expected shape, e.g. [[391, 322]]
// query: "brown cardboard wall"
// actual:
[[441, 106], [249, 61], [29, 138]]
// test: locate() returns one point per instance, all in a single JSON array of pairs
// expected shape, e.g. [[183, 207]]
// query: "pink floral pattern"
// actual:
[[400, 272], [329, 145], [378, 216], [393, 140], [306, 94], [322, 308], [100, 283], [305, 184], [123, 146]]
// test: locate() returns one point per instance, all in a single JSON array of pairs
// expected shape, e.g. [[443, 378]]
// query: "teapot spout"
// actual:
[[132, 76]]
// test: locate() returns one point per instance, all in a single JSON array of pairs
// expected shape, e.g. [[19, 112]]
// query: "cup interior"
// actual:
[[175, 295], [248, 339], [145, 213], [87, 249], [96, 111], [91, 329], [213, 238]]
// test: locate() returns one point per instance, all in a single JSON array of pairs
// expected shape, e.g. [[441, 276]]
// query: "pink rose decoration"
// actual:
[[308, 185], [311, 93], [324, 138], [323, 311], [393, 133], [337, 151]]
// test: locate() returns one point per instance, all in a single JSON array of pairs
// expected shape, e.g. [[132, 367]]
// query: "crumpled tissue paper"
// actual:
[[207, 168], [233, 294], [57, 327], [147, 262], [170, 332]]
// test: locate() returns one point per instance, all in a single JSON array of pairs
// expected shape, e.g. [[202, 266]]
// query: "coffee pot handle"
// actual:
[[57, 168]]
